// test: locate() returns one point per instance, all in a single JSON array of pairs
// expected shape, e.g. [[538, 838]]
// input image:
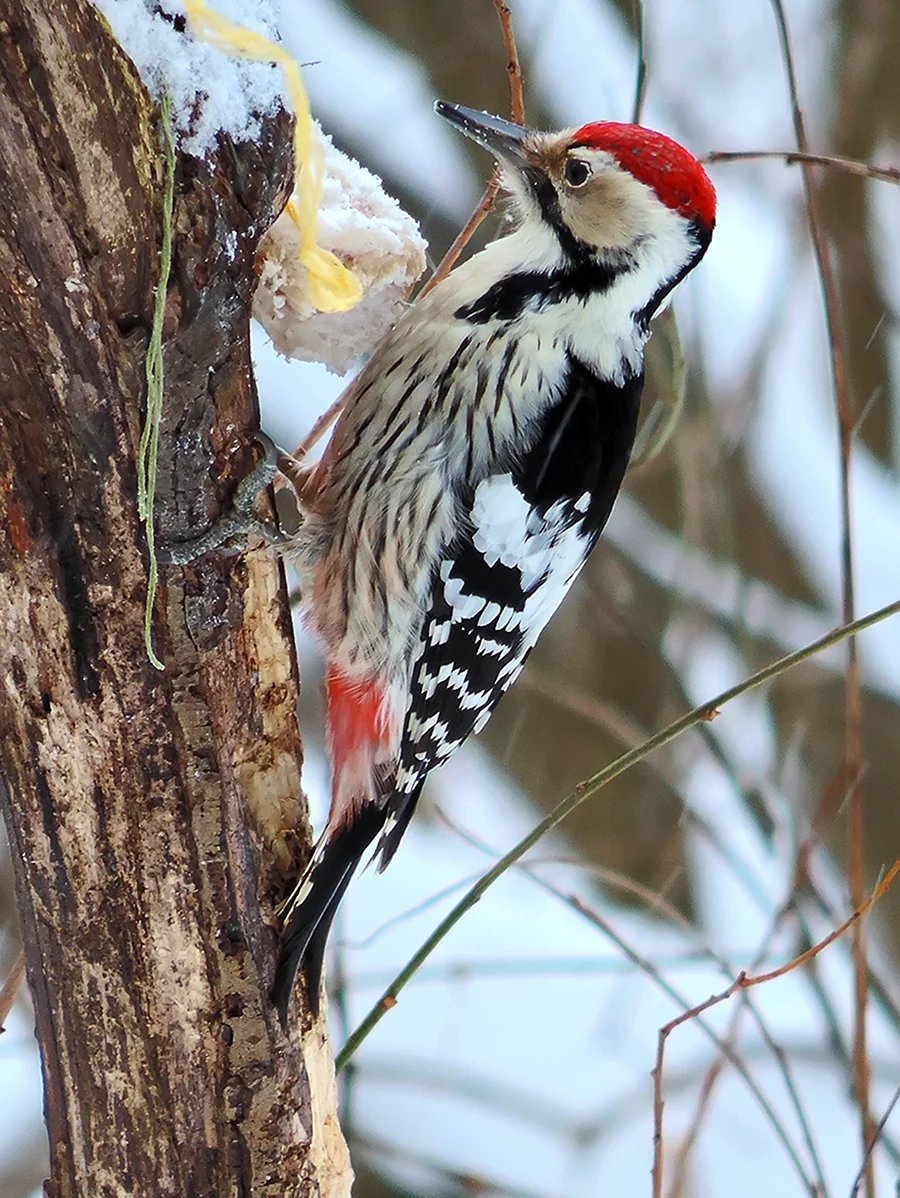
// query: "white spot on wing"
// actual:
[[458, 680], [492, 648], [509, 530], [439, 633], [510, 669], [465, 607], [506, 618], [548, 550], [449, 747], [428, 683], [406, 780], [482, 720], [500, 514], [489, 615]]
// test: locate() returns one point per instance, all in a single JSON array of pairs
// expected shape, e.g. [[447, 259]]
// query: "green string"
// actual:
[[149, 447]]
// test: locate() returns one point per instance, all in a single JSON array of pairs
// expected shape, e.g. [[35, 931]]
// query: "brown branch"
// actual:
[[853, 718], [657, 903], [744, 982], [717, 1069], [10, 988], [879, 1131], [725, 1045], [513, 67], [805, 957], [321, 427], [788, 907], [640, 83], [462, 239], [486, 203], [733, 1058], [725, 1048], [887, 174]]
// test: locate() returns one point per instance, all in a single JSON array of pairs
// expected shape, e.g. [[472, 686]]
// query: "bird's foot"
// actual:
[[229, 534]]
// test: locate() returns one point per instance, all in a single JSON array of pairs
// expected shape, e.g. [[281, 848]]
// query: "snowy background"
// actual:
[[518, 1061]]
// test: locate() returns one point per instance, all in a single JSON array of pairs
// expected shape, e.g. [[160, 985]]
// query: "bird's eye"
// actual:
[[577, 172]]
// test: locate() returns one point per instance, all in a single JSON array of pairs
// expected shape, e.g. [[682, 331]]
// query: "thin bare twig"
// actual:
[[716, 1070], [656, 902], [805, 957], [882, 1123], [10, 988], [886, 174], [517, 110], [853, 720], [789, 907], [513, 66], [744, 982], [322, 425], [877, 988], [640, 83], [446, 264], [727, 1051], [649, 968]]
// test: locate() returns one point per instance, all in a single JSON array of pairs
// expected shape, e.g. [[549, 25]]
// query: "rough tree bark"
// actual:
[[152, 817]]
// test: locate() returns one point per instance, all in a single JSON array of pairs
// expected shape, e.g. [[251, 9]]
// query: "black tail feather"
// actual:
[[400, 811], [308, 925], [314, 957]]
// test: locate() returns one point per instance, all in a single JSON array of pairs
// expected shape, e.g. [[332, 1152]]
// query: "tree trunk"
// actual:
[[153, 817]]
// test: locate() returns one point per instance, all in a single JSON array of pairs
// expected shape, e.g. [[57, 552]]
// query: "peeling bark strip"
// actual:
[[150, 816]]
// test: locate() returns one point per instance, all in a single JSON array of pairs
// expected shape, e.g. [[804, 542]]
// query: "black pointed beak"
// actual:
[[501, 138]]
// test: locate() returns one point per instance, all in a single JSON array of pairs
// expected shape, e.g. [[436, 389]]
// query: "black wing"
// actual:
[[526, 534]]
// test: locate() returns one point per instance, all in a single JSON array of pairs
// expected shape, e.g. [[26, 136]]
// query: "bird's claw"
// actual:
[[230, 532]]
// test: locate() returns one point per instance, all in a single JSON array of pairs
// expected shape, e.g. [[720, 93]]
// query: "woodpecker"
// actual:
[[472, 470]]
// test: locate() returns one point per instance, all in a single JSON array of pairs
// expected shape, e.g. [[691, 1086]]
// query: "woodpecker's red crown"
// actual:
[[675, 175]]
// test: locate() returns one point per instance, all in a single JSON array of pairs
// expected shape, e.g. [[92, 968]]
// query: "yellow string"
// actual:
[[332, 287]]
